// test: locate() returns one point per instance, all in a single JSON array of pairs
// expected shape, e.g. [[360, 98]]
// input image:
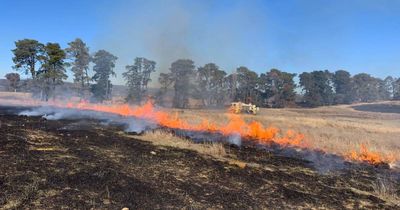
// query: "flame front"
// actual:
[[254, 130], [365, 155], [236, 125]]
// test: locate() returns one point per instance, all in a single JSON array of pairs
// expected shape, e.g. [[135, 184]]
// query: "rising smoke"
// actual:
[[204, 31], [321, 161], [130, 124], [324, 163]]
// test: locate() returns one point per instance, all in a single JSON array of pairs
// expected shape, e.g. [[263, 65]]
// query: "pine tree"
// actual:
[[104, 63], [52, 72], [79, 53], [27, 54]]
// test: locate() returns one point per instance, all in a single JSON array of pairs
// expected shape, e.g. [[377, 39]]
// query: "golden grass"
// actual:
[[336, 129], [164, 138], [20, 95], [214, 150]]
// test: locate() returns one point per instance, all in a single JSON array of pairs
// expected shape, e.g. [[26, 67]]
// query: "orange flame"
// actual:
[[236, 125], [365, 155]]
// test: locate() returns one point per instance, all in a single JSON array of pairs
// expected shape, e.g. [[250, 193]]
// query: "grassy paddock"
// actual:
[[164, 138], [336, 129]]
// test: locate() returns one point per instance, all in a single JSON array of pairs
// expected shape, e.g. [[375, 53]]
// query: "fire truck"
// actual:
[[239, 107]]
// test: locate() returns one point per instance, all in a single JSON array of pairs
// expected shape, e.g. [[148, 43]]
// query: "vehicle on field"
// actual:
[[239, 107]]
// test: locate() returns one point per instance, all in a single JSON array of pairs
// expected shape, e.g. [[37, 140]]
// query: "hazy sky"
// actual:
[[294, 36]]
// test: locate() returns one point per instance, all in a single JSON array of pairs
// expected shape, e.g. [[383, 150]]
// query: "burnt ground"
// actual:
[[83, 165], [382, 108]]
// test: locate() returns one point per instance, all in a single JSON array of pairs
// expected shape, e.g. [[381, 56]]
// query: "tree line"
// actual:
[[47, 65]]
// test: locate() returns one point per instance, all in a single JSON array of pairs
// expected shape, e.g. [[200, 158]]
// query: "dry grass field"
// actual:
[[62, 164], [336, 129]]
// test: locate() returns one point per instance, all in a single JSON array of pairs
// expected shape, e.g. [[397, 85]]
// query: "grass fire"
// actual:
[[186, 104], [205, 132]]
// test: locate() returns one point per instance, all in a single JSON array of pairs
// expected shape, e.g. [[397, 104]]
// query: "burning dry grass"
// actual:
[[100, 168], [357, 135], [335, 129], [164, 138]]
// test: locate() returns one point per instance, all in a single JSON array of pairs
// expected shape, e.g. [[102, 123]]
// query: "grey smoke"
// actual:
[[165, 31], [235, 139], [321, 161], [131, 124]]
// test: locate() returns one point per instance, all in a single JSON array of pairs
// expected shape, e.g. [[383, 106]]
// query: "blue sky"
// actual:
[[292, 35]]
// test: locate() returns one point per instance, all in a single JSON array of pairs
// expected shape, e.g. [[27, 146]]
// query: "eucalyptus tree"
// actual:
[[182, 74], [210, 80], [13, 80], [137, 77]]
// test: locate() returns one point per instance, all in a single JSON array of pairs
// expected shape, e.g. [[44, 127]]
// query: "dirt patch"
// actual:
[[46, 166]]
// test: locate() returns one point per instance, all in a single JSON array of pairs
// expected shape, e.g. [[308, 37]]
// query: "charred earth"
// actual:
[[84, 164]]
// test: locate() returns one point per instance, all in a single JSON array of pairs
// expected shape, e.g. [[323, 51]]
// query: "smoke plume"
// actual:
[[165, 31], [323, 162], [130, 124]]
